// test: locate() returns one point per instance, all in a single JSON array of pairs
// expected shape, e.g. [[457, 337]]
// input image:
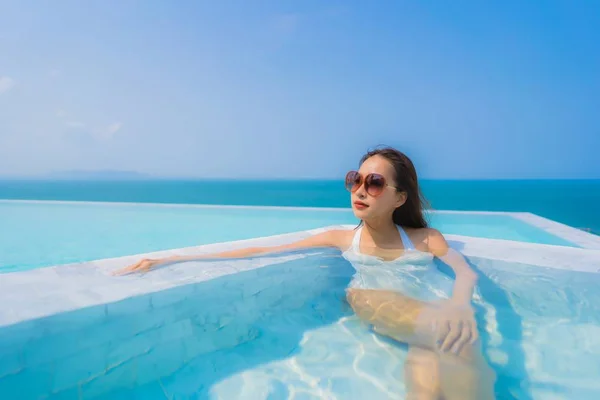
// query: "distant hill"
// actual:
[[99, 175]]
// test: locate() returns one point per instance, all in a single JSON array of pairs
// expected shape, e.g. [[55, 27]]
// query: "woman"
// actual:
[[397, 288]]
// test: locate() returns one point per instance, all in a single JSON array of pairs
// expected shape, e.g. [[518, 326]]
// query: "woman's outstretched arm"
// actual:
[[329, 238]]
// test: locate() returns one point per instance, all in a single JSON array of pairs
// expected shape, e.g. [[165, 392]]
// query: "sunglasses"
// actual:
[[374, 183]]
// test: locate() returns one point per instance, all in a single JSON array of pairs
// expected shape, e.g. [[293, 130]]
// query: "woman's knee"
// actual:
[[390, 313]]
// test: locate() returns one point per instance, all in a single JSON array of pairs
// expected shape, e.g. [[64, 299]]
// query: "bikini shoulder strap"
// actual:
[[408, 244]]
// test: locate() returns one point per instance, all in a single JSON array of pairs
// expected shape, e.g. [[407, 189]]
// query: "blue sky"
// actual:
[[300, 89]]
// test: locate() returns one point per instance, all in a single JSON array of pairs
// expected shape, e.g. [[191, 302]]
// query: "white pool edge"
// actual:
[[576, 236], [73, 286]]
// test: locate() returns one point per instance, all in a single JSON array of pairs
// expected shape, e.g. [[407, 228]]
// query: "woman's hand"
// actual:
[[143, 265], [454, 326]]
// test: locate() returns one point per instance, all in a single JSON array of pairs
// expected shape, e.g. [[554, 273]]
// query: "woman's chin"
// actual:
[[360, 214]]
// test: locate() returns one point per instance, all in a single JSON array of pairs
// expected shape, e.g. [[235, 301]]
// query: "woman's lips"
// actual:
[[360, 205]]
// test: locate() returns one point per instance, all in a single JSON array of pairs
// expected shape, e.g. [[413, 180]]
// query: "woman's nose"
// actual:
[[361, 192]]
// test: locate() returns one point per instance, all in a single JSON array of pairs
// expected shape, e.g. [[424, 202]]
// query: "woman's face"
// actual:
[[380, 198]]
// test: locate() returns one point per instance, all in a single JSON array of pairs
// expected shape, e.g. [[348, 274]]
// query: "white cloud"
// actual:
[[6, 84], [89, 130], [113, 128], [109, 131]]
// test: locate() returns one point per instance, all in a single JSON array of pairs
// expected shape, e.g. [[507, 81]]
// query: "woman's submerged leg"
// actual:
[[464, 376], [422, 374]]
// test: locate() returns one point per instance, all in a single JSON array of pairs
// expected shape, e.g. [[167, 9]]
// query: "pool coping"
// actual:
[[72, 286], [577, 236]]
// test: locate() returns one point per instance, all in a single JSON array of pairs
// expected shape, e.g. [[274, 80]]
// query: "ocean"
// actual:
[[573, 202]]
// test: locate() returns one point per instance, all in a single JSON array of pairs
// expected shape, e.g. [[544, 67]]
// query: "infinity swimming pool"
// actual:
[[38, 234], [273, 327], [277, 327]]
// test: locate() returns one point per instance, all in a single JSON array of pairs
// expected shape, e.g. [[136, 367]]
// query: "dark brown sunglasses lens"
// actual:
[[375, 184]]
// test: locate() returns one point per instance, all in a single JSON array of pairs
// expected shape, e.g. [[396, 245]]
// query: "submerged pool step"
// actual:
[[141, 339]]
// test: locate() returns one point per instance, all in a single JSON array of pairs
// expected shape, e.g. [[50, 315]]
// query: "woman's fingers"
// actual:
[[474, 331], [139, 266], [453, 335], [453, 330], [443, 328], [463, 339], [125, 270]]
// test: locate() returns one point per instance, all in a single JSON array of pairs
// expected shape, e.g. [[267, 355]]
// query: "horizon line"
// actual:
[[266, 179]]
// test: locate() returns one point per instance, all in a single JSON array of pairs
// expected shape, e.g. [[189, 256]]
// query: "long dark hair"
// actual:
[[410, 214]]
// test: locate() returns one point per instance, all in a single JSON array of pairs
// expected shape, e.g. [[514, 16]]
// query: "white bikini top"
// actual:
[[406, 242], [410, 256]]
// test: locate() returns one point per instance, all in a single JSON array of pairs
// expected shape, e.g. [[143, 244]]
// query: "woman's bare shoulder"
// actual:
[[427, 238]]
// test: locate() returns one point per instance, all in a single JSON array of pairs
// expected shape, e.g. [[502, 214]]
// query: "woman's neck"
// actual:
[[381, 230]]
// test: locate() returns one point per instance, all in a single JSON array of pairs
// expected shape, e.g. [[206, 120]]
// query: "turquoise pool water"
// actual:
[[39, 234], [284, 331], [571, 202]]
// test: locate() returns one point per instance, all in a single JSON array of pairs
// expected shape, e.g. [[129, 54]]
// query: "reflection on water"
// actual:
[[286, 331], [541, 329]]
